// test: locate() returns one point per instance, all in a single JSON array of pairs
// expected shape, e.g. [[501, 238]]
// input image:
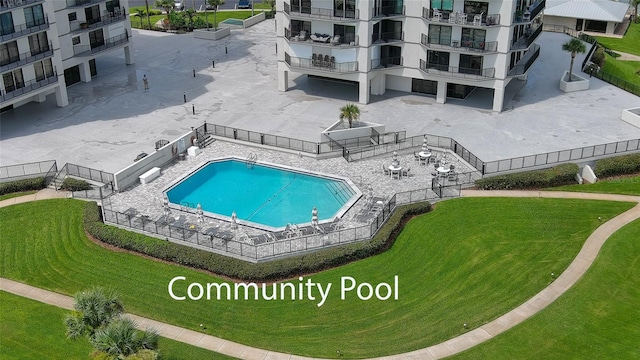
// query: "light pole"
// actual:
[[252, 8], [146, 2]]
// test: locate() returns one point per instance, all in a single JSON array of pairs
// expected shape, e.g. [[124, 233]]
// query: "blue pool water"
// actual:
[[261, 194]]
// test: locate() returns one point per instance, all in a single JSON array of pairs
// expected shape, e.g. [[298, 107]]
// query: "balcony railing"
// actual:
[[28, 87], [323, 64], [526, 61], [320, 13], [336, 40], [85, 50], [10, 4], [460, 46], [530, 13], [385, 63], [527, 39], [458, 72], [107, 18], [24, 29], [459, 18], [388, 36], [82, 3], [23, 59], [388, 11]]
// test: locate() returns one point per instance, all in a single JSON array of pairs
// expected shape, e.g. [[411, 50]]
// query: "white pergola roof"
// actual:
[[601, 10]]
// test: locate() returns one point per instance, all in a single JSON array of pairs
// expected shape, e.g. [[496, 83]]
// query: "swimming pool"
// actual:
[[262, 195]]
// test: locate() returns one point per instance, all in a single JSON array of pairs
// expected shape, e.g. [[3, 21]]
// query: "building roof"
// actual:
[[602, 10]]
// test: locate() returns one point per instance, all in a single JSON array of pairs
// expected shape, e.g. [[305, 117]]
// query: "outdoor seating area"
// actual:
[[324, 61]]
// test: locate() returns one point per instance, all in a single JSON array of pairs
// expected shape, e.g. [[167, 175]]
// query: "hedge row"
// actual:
[[22, 185], [559, 175], [242, 270], [620, 165], [72, 184]]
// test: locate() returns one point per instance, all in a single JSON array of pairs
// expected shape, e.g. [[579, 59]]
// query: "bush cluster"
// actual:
[[598, 57], [559, 175], [238, 269], [620, 165], [22, 185], [72, 184]]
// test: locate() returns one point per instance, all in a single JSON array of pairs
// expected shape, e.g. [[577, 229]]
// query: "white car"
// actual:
[[179, 5]]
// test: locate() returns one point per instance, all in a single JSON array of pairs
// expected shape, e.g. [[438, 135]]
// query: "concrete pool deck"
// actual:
[[111, 119]]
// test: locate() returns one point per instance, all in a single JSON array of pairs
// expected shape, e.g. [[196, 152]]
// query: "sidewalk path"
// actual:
[[626, 56], [564, 282]]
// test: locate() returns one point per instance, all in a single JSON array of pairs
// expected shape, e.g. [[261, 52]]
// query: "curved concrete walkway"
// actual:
[[566, 280]]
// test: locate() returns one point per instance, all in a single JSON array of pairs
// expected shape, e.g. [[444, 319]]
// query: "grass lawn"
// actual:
[[469, 261], [221, 16], [629, 43], [29, 319], [626, 70], [598, 318], [16, 194], [624, 186]]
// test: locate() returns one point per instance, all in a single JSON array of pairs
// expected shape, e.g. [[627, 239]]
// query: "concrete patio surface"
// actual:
[[111, 119]]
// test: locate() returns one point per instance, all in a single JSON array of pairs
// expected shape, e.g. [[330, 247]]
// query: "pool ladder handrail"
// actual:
[[251, 160]]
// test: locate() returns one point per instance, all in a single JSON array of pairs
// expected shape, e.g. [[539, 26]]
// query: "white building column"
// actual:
[[40, 97], [363, 90], [128, 55], [441, 94], [62, 99], [378, 84], [498, 99], [85, 71], [283, 80]]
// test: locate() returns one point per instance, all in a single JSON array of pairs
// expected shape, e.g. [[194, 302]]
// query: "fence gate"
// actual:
[[436, 186]]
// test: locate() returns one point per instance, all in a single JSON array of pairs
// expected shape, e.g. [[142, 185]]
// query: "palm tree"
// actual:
[[350, 112], [635, 4], [215, 4], [573, 46], [94, 308], [141, 13], [146, 3], [272, 4], [166, 5], [120, 339]]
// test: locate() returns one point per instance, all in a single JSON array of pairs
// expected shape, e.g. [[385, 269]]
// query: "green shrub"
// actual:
[[22, 185], [239, 269], [620, 165], [72, 184], [598, 57], [559, 175]]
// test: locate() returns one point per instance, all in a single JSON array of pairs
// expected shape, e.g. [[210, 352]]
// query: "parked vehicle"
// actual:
[[244, 4], [179, 5]]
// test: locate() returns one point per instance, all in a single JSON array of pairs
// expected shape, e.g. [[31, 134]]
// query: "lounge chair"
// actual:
[[335, 40]]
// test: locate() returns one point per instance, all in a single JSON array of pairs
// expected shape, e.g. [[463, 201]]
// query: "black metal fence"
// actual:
[[616, 81], [46, 169], [86, 173]]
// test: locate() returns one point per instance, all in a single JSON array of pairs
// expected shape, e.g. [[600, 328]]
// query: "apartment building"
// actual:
[[443, 48], [47, 45]]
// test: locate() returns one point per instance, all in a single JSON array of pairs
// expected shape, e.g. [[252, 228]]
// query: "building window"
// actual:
[[301, 6], [424, 86], [473, 38], [44, 69], [476, 7], [75, 40], [38, 43], [470, 64], [92, 14], [439, 34], [112, 5], [73, 16], [438, 60], [13, 80], [34, 15], [444, 5], [96, 38], [6, 24], [344, 8], [347, 33], [298, 25], [9, 53]]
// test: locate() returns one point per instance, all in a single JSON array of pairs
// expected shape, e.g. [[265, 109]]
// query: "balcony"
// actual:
[[28, 87], [458, 18], [478, 47], [26, 58], [458, 72], [386, 63], [320, 13], [88, 50], [527, 39], [24, 29], [530, 13], [526, 61], [387, 37], [10, 4], [325, 64], [343, 41], [107, 18], [82, 3], [388, 11]]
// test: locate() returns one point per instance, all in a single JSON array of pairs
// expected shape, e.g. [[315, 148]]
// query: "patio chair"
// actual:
[[437, 15], [477, 19], [303, 35], [327, 61], [406, 172], [335, 40], [314, 58], [385, 169], [332, 62], [396, 174], [453, 176], [416, 157]]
